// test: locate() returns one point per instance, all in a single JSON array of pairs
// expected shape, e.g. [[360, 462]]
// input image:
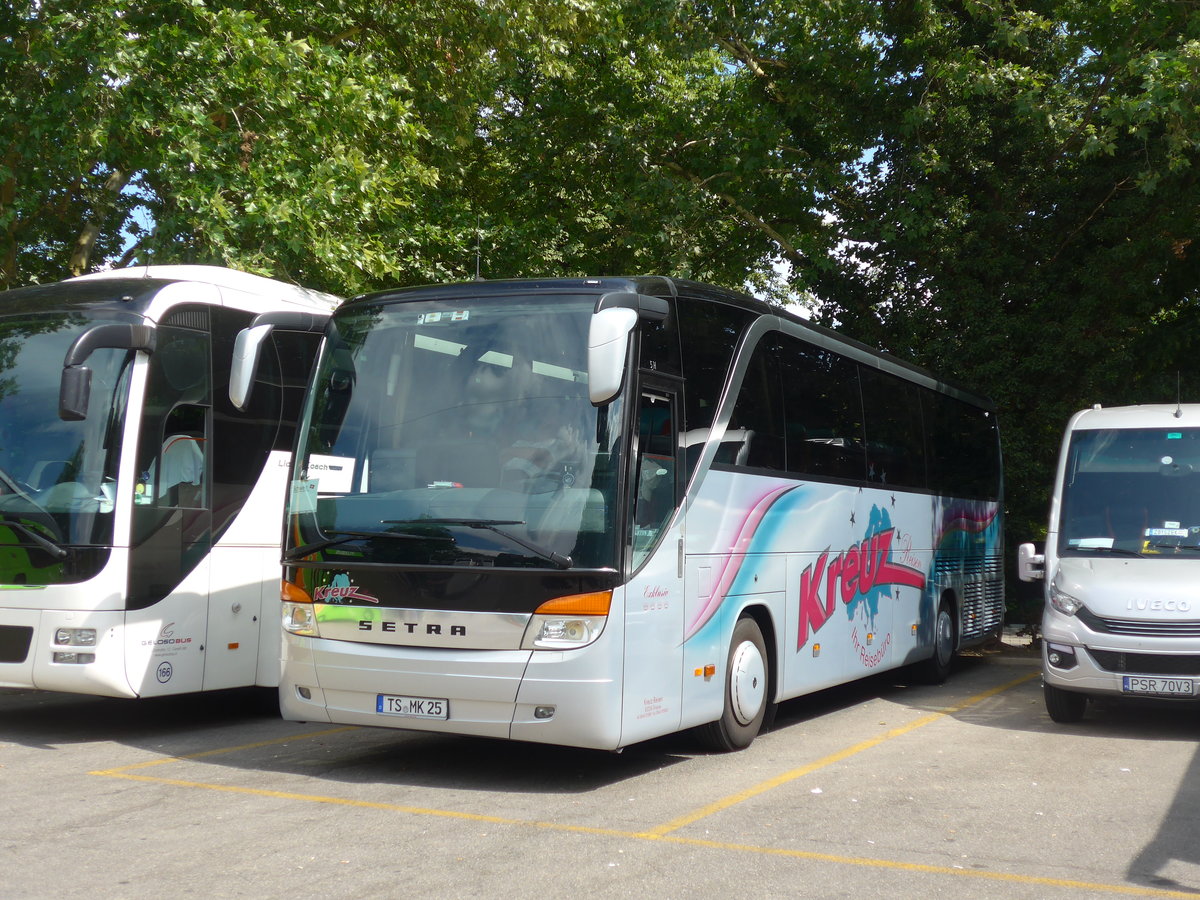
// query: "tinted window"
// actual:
[[964, 448], [754, 437], [823, 412], [660, 343], [895, 441], [709, 332]]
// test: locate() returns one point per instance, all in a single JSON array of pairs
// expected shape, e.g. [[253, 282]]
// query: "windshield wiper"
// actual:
[[346, 536], [493, 525], [54, 549], [1116, 551], [1177, 547]]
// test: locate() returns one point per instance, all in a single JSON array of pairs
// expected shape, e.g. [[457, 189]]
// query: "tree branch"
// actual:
[[786, 246], [81, 256]]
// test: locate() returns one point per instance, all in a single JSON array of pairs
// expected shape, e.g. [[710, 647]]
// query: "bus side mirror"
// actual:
[[74, 392], [75, 387], [1031, 565], [247, 347], [608, 344]]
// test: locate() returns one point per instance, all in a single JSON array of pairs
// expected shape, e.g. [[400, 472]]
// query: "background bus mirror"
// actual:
[[74, 392], [75, 388], [608, 342], [246, 348], [1031, 565]]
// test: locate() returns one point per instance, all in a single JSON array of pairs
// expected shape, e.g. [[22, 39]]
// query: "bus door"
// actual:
[[654, 595], [171, 533]]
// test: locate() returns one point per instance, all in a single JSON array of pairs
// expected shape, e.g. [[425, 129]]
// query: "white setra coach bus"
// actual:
[[590, 512], [139, 508]]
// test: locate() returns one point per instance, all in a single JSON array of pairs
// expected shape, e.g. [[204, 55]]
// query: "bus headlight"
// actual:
[[298, 615], [75, 637], [565, 623], [298, 619], [1064, 602]]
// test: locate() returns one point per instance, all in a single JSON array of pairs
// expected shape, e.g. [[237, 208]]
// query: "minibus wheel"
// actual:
[[1064, 707]]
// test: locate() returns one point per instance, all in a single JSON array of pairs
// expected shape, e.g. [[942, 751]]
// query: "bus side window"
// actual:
[[655, 496]]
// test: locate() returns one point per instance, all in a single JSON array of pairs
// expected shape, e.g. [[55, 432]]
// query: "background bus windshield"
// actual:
[[56, 477], [1132, 490], [458, 433]]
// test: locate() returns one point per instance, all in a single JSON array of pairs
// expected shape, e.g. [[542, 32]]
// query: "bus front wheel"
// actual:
[[747, 697]]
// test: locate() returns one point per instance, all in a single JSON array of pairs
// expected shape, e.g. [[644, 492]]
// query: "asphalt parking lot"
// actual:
[[879, 789]]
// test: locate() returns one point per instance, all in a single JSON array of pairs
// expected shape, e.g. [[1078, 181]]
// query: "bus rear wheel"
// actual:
[[747, 697], [936, 669]]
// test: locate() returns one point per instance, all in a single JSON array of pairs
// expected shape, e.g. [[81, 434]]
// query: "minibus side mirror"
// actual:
[[1031, 565]]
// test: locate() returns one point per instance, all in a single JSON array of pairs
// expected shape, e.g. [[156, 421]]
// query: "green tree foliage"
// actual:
[[1004, 191], [239, 141], [350, 145], [323, 142]]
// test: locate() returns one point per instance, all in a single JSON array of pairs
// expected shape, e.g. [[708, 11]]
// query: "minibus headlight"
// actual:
[[1064, 602], [566, 623]]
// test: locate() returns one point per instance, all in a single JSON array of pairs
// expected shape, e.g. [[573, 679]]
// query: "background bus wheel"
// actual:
[[1065, 707], [945, 644], [747, 696]]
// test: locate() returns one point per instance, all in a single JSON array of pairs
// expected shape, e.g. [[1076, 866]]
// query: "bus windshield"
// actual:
[[458, 432], [57, 478], [1132, 491]]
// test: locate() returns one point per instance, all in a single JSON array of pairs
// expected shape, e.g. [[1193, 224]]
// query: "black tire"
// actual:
[[936, 669], [1064, 707], [747, 691]]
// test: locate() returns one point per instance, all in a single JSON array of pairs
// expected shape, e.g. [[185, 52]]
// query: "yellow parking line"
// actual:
[[771, 783], [862, 861], [895, 865]]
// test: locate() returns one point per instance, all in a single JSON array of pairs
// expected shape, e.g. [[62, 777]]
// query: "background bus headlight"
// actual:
[[75, 637]]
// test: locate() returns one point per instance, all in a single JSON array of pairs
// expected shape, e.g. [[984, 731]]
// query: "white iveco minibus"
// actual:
[[1122, 559]]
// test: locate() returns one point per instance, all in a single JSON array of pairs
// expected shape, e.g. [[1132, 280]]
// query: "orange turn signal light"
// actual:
[[594, 604], [293, 593]]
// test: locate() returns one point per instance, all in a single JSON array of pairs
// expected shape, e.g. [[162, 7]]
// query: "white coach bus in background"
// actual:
[[594, 511], [1122, 559], [139, 508]]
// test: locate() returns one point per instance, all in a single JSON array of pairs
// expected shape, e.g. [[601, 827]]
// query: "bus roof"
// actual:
[[231, 279]]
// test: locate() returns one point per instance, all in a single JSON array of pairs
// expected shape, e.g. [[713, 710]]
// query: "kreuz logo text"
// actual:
[[336, 593], [853, 573]]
